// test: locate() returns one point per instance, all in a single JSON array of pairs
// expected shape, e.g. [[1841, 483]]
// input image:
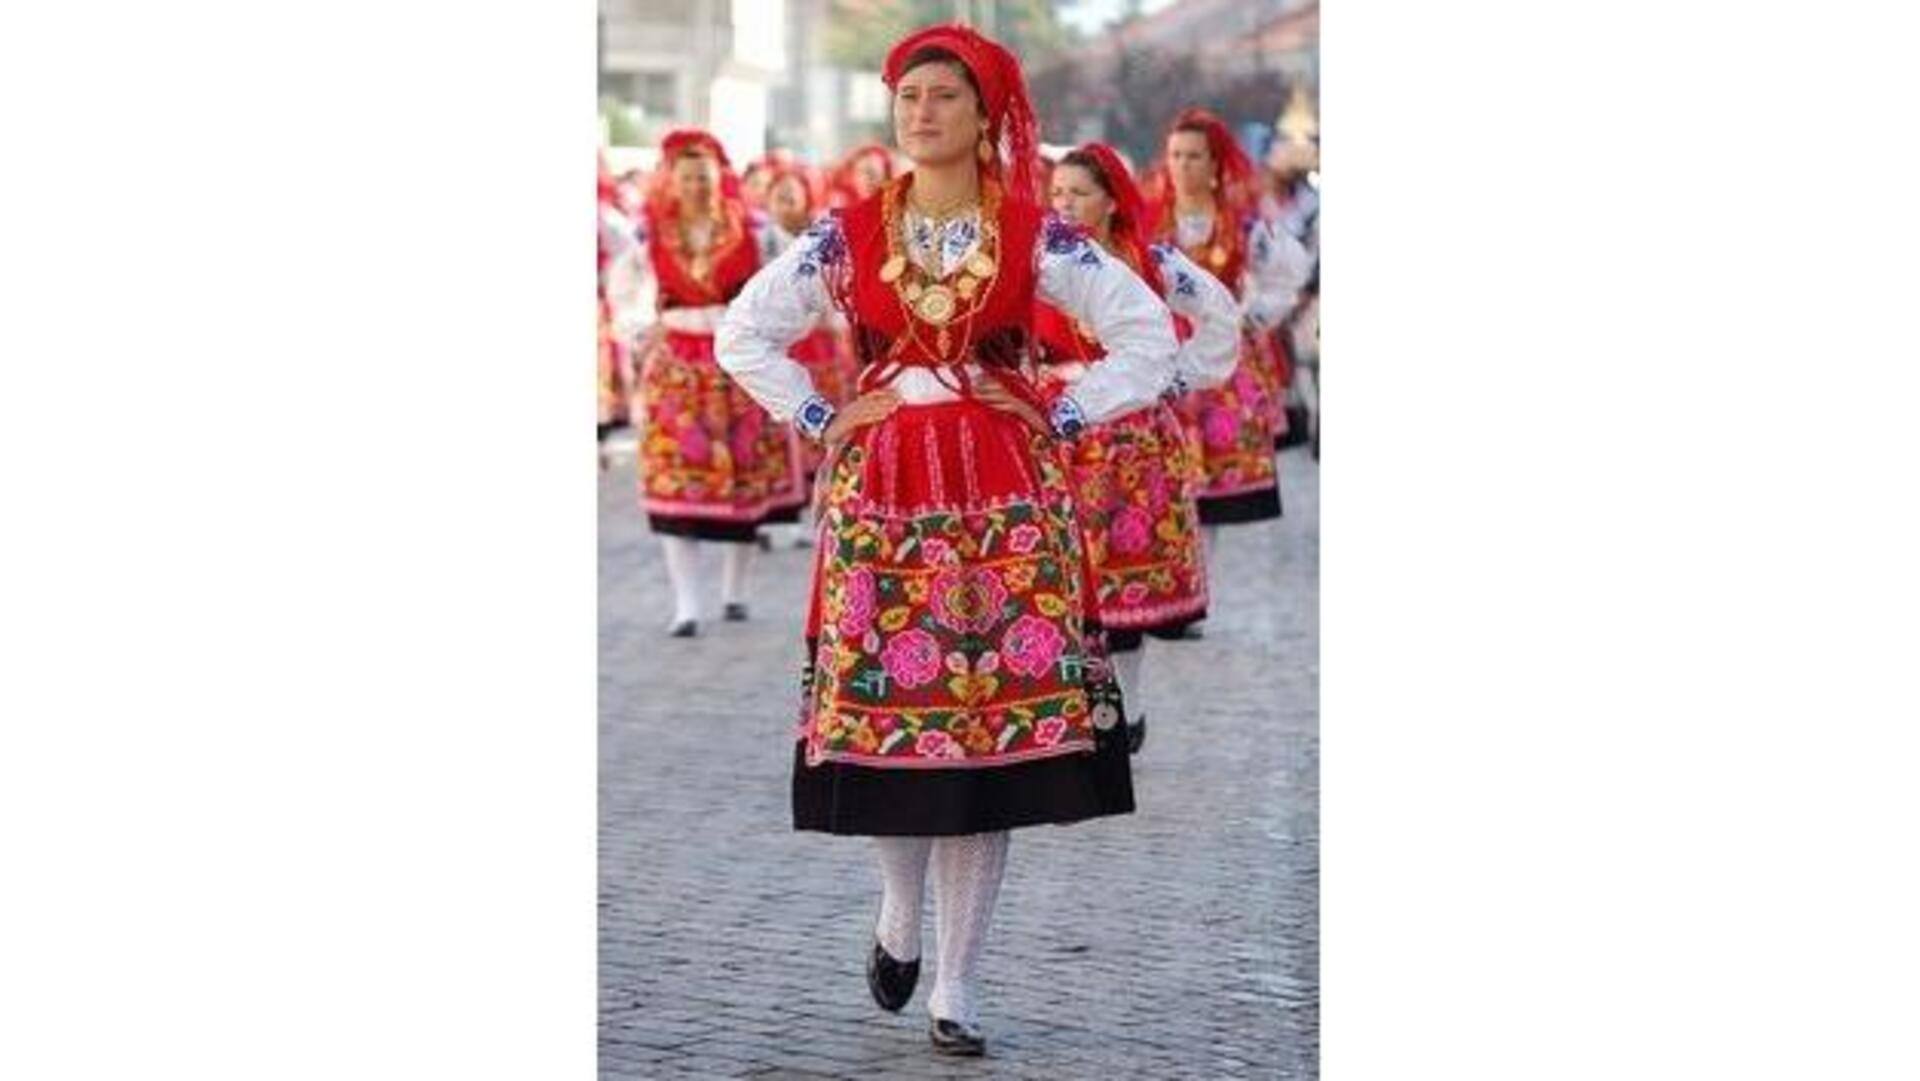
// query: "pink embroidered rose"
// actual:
[[1158, 494], [933, 745], [967, 599], [860, 605], [1024, 537], [1031, 646], [1048, 732], [885, 724], [744, 433], [937, 553], [694, 445], [1131, 531], [1134, 593], [1219, 428], [912, 658]]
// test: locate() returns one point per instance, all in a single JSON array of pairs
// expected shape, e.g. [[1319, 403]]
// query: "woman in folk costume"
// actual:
[[1135, 478], [957, 686], [795, 199], [713, 465], [861, 173], [614, 234], [1204, 203]]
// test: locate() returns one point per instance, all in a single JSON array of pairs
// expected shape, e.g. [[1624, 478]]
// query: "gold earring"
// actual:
[[984, 149]]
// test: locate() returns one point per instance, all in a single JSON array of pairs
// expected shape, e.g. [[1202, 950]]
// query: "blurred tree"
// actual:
[[621, 130], [861, 31]]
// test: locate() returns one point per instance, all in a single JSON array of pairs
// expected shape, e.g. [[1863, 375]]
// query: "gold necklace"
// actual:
[[931, 300]]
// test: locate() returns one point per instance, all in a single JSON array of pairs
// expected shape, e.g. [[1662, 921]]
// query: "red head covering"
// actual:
[[841, 183], [1236, 194], [810, 180], [661, 202], [1011, 126], [1130, 226]]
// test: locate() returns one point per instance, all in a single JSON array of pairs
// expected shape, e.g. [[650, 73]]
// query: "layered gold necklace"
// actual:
[[955, 297]]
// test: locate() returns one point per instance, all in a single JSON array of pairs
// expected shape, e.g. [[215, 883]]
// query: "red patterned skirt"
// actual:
[[957, 679], [1231, 426], [713, 464], [612, 374], [1134, 480]]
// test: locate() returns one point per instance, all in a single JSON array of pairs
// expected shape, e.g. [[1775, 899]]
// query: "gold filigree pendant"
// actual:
[[936, 305]]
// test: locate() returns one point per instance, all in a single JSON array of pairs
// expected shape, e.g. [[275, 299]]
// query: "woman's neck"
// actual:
[[1185, 204], [946, 187]]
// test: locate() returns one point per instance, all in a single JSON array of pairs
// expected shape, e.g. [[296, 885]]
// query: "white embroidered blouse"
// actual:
[[782, 301]]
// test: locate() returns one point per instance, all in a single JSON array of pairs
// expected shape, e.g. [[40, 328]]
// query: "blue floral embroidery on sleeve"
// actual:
[[1161, 252], [1261, 238], [1064, 238], [823, 243]]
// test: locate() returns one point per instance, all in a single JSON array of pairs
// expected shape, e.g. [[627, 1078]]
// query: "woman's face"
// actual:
[[1078, 197], [787, 199], [1190, 163], [694, 177], [869, 172], [936, 117]]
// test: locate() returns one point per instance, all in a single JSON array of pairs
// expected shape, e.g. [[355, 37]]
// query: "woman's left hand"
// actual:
[[990, 391]]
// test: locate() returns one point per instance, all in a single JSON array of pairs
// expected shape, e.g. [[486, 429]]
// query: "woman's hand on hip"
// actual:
[[869, 408]]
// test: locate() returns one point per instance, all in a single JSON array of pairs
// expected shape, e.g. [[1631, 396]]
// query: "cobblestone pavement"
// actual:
[[731, 946]]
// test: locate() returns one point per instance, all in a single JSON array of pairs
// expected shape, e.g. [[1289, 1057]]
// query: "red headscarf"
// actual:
[[661, 203], [1236, 195], [840, 185], [810, 180], [1130, 226], [1011, 126]]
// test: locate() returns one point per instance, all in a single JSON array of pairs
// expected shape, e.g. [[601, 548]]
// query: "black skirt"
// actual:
[[839, 797]]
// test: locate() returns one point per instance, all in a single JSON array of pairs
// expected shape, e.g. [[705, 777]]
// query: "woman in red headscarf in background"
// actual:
[[957, 686], [1136, 477], [796, 197], [861, 173], [713, 465], [614, 234], [1204, 202]]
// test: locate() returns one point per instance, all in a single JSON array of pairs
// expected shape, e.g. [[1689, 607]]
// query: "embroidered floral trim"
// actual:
[[822, 245], [1067, 417], [1061, 237], [813, 416]]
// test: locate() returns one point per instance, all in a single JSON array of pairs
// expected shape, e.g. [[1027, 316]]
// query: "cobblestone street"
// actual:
[[732, 946]]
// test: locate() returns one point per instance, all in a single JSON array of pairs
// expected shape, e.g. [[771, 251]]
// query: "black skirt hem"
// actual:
[[704, 528], [862, 801], [1257, 506], [1131, 638]]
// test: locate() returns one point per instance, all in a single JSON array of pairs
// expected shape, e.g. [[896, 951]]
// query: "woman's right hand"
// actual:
[[869, 408]]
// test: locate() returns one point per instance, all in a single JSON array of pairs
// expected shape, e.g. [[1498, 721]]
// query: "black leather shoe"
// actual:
[[954, 1038], [686, 628], [891, 981], [1137, 735], [734, 613]]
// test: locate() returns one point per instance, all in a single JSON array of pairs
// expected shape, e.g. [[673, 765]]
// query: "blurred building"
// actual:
[[751, 71]]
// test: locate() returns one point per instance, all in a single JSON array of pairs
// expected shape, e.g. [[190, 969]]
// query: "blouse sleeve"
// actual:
[[1207, 358], [630, 286], [778, 306], [1276, 269], [1133, 325]]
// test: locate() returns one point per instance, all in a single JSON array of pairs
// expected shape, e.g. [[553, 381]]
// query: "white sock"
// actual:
[[1126, 666], [903, 886], [966, 881], [683, 573], [733, 573]]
